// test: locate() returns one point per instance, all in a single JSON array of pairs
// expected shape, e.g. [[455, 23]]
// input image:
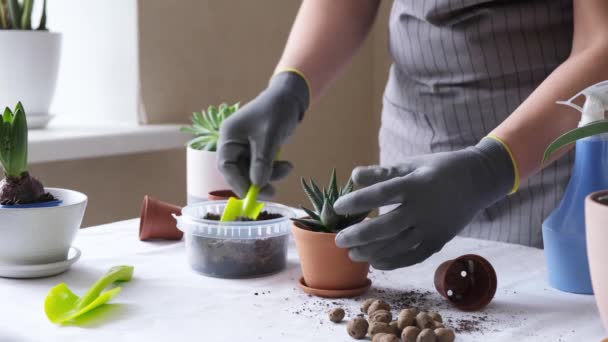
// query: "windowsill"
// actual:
[[63, 142]]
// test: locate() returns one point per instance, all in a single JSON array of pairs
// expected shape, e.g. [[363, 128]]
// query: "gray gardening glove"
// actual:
[[250, 139], [437, 196]]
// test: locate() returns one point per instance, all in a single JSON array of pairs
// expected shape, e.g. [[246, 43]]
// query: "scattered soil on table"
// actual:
[[264, 216]]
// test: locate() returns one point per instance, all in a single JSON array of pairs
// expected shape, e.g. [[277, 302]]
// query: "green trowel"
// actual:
[[62, 305], [248, 207]]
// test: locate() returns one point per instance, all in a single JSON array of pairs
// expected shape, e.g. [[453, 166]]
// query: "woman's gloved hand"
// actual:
[[250, 139], [437, 196]]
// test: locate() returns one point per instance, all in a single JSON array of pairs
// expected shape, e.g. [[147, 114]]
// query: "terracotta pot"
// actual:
[[596, 222], [220, 195], [324, 265], [468, 282], [157, 222]]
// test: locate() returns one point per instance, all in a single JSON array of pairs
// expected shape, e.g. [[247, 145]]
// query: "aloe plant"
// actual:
[[324, 218], [589, 130], [206, 126], [17, 15], [17, 187]]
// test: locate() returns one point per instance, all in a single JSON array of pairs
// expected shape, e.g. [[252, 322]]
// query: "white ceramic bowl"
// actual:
[[32, 236]]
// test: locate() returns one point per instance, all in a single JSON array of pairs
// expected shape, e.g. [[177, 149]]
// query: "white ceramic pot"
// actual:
[[203, 175], [33, 236], [30, 62], [596, 224]]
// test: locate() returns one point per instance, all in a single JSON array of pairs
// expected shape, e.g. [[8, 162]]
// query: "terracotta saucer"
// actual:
[[335, 293]]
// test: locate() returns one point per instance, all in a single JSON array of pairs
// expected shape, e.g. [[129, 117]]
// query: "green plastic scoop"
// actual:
[[248, 207], [62, 305]]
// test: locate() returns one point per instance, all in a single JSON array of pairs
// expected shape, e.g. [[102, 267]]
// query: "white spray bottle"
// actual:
[[564, 229]]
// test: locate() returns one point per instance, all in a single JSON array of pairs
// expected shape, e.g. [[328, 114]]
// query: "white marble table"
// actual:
[[167, 302]]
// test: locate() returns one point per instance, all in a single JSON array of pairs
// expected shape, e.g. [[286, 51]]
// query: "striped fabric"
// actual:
[[460, 67]]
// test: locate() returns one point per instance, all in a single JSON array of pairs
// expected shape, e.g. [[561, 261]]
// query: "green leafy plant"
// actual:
[[324, 218], [17, 15], [589, 130], [17, 187], [206, 126]]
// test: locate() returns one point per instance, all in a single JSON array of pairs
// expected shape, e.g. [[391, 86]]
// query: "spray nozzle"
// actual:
[[596, 100]]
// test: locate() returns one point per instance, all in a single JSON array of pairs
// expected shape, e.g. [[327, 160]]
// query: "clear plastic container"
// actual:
[[235, 249]]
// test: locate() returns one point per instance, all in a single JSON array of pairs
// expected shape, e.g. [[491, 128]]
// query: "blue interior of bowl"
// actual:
[[54, 203]]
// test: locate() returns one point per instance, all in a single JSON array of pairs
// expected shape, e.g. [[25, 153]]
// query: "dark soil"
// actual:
[[264, 216], [603, 199], [23, 190], [238, 258]]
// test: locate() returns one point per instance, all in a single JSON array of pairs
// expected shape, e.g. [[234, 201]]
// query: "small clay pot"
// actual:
[[157, 222], [596, 218], [327, 267], [220, 195], [468, 282]]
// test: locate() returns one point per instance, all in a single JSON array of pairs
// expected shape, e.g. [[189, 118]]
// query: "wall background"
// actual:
[[207, 52]]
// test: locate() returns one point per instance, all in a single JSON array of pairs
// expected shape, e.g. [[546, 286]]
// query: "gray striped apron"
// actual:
[[460, 67]]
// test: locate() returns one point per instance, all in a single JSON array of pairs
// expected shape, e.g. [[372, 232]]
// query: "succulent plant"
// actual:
[[206, 126], [17, 15], [324, 218]]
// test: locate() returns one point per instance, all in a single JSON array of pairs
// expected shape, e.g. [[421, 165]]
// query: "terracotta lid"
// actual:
[[157, 222], [221, 195], [468, 282]]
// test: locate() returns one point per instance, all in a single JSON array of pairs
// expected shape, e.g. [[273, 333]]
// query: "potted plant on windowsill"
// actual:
[[38, 225], [203, 176], [327, 270], [596, 204], [30, 59]]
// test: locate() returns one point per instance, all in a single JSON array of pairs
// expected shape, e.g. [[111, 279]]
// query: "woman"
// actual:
[[469, 109]]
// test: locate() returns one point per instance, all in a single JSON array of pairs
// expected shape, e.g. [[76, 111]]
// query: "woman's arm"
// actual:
[[324, 38], [539, 120]]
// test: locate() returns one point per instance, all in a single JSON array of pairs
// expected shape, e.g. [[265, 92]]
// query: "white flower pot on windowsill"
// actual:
[[30, 62], [202, 175]]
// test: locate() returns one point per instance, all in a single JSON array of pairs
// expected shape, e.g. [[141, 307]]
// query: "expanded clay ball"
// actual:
[[424, 321], [445, 335], [407, 317], [382, 337], [379, 327], [367, 303], [357, 328], [409, 334], [381, 316], [336, 315], [426, 335], [436, 317], [378, 304], [395, 326]]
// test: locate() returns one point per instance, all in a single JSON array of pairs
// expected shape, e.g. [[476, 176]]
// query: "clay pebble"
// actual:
[[406, 318], [424, 321], [357, 327], [445, 335], [378, 304], [436, 317], [382, 337], [381, 316], [409, 334], [426, 335], [395, 326], [366, 304], [336, 315], [379, 327]]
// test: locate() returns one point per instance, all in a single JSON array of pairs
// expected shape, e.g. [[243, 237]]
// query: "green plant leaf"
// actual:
[[329, 217], [312, 225], [26, 15], [313, 196], [42, 24], [14, 11], [4, 24], [594, 128], [332, 189], [311, 213], [13, 141], [348, 188]]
